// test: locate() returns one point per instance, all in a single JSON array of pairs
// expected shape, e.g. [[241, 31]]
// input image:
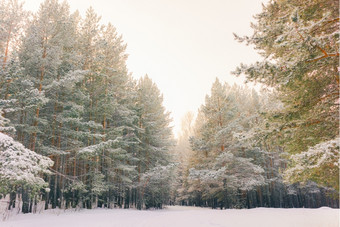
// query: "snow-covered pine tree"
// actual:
[[110, 90], [227, 112], [154, 134], [49, 59], [299, 42]]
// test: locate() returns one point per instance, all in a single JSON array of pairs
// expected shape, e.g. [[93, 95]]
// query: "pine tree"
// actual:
[[182, 154], [226, 114], [154, 134], [46, 90], [299, 43], [12, 21]]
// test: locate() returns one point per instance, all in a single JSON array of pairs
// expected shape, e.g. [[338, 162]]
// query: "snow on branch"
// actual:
[[316, 158], [21, 166], [94, 149]]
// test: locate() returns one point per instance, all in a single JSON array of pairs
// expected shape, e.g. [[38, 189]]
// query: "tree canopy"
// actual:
[[299, 42]]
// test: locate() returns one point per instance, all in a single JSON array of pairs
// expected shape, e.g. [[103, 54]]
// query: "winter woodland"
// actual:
[[77, 131]]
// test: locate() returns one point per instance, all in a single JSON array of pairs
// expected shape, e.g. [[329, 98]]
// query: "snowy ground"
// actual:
[[179, 216]]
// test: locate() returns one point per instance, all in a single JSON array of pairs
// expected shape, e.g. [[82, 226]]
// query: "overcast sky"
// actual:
[[183, 45]]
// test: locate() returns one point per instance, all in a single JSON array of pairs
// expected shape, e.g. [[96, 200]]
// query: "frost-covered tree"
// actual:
[[50, 119], [43, 53], [218, 111], [110, 92], [220, 151], [299, 42], [154, 132], [69, 92]]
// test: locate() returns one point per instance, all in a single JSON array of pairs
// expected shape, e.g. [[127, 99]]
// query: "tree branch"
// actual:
[[327, 22], [322, 57]]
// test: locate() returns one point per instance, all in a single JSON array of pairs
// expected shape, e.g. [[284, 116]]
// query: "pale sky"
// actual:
[[183, 45]]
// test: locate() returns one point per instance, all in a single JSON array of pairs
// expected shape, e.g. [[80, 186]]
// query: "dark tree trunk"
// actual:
[[25, 201], [12, 200]]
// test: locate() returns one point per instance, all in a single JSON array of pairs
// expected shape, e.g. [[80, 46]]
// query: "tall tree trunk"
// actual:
[[42, 73]]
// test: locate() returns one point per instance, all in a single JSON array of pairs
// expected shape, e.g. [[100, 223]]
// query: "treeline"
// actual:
[[280, 149], [231, 156], [66, 95]]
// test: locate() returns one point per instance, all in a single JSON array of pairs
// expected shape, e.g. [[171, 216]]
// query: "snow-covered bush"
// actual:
[[20, 166]]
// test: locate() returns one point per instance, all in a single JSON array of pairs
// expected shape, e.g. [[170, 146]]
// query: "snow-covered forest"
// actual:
[[78, 131]]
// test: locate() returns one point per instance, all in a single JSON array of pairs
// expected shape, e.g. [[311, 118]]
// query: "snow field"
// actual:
[[176, 216]]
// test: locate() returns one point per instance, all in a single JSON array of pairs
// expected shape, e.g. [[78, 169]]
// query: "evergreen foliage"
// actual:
[[299, 42], [69, 97], [236, 160]]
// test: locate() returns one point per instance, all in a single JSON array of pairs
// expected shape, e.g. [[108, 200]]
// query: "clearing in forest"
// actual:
[[180, 216]]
